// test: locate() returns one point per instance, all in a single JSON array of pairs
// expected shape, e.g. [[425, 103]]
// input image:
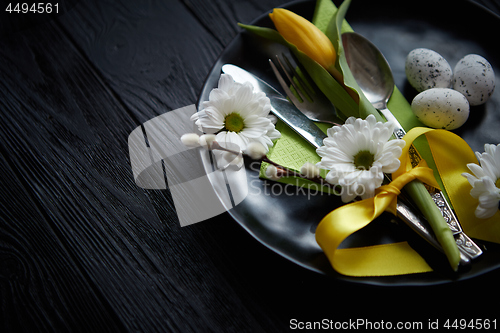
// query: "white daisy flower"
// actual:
[[485, 181], [237, 115], [357, 154]]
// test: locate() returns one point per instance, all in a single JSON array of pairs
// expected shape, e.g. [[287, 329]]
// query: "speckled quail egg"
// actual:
[[426, 69], [441, 108], [474, 77]]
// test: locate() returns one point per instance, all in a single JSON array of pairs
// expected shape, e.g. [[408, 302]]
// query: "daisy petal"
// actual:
[[247, 111], [345, 154]]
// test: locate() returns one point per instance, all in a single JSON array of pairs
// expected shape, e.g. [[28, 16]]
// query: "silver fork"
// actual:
[[319, 108], [308, 98]]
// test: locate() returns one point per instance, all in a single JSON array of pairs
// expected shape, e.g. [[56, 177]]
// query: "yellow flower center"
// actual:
[[497, 183], [363, 160], [234, 122]]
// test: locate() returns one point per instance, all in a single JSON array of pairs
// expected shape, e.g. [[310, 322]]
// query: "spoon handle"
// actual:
[[464, 243], [416, 224], [399, 131]]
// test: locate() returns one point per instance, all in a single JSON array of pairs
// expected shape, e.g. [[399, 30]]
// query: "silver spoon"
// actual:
[[374, 77], [371, 72]]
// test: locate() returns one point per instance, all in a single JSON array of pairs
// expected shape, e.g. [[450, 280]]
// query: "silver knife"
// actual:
[[306, 128]]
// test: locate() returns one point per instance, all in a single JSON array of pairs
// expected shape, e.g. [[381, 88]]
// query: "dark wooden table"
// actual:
[[82, 248]]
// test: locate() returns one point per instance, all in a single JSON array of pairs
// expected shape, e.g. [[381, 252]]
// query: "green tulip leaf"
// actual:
[[331, 21]]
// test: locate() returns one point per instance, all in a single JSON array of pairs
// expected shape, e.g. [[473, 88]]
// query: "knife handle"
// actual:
[[415, 223]]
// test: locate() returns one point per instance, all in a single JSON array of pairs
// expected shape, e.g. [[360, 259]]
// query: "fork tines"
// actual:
[[295, 78], [306, 96]]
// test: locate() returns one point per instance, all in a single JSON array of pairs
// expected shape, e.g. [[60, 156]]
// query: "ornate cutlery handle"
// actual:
[[465, 244]]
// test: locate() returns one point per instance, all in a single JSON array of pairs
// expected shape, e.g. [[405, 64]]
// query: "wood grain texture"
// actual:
[[48, 166], [79, 179], [60, 136], [82, 248], [141, 54]]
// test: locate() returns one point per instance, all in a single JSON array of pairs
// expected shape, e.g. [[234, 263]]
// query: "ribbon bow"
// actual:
[[396, 258]]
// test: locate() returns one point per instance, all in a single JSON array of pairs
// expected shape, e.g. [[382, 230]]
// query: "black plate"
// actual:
[[286, 223]]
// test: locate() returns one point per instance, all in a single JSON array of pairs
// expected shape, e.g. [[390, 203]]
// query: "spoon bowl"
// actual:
[[370, 69]]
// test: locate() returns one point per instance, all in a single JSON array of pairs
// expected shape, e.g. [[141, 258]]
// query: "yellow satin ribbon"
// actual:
[[385, 259], [451, 155]]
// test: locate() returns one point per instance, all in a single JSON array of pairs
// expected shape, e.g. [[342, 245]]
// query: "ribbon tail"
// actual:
[[379, 260], [451, 155]]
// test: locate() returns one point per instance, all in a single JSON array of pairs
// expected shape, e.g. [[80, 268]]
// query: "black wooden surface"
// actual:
[[82, 248]]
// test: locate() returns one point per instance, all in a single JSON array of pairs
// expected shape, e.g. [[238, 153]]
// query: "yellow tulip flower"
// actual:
[[305, 36]]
